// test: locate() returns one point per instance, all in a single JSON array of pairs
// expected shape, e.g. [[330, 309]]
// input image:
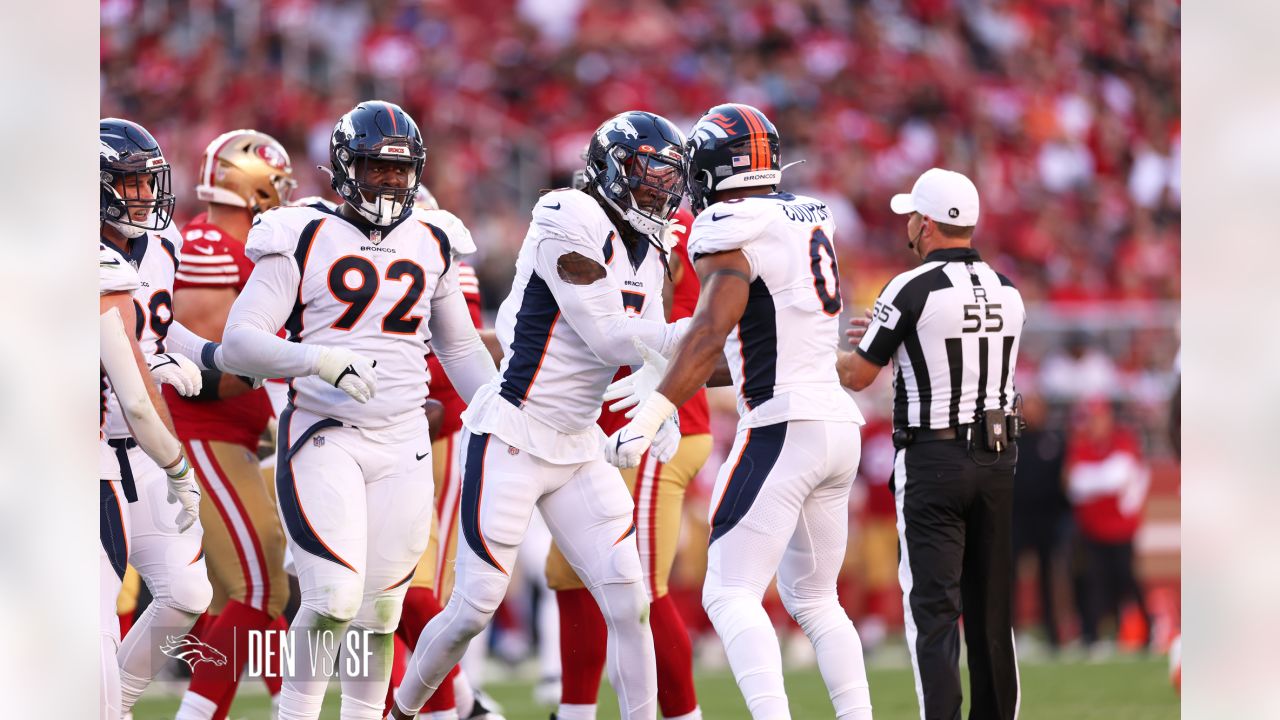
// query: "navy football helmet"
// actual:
[[636, 165], [732, 146], [136, 187], [376, 131]]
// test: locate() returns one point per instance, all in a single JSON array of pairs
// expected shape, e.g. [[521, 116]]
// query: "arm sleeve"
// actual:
[[249, 344], [457, 344], [126, 381], [595, 311], [184, 342], [896, 311]]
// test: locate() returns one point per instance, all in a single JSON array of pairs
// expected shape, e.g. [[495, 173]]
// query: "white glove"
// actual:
[[350, 372], [184, 489], [631, 441], [669, 237], [666, 441], [176, 370], [633, 389]]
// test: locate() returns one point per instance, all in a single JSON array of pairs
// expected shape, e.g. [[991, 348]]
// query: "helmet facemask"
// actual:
[[127, 195], [645, 189], [381, 204]]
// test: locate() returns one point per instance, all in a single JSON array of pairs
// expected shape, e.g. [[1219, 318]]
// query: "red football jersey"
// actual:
[[440, 388], [695, 418], [210, 258]]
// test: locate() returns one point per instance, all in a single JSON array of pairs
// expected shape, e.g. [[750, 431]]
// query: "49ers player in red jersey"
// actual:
[[243, 173], [658, 489]]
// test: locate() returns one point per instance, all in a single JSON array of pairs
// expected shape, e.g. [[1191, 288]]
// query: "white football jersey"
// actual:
[[547, 396], [154, 256], [370, 292], [782, 354], [114, 275]]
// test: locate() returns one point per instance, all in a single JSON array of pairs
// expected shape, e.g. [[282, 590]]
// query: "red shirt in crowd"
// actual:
[[1107, 483]]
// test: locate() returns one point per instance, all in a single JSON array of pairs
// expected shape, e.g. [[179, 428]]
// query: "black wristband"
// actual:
[[211, 386]]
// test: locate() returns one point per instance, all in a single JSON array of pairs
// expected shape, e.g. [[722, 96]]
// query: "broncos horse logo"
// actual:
[[617, 124], [191, 651]]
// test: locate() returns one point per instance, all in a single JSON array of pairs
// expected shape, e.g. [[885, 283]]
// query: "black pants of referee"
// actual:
[[955, 527]]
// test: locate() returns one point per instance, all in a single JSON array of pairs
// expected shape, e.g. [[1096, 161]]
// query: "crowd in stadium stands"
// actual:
[[1065, 112]]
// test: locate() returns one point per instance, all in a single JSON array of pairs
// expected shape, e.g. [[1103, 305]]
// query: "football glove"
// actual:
[[635, 388], [184, 489], [631, 441], [666, 441], [671, 232], [350, 372], [176, 370]]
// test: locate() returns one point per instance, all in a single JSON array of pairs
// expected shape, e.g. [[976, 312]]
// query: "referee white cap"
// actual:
[[942, 196]]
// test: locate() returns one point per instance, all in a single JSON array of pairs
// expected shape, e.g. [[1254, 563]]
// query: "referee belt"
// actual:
[[902, 437]]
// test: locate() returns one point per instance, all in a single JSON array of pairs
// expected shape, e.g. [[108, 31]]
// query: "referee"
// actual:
[[951, 327]]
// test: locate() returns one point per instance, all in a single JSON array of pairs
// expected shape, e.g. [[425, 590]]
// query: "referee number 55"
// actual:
[[994, 320]]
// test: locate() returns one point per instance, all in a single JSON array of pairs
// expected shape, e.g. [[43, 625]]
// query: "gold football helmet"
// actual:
[[247, 169]]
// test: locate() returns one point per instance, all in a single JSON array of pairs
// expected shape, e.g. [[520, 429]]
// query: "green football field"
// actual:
[[1123, 688]]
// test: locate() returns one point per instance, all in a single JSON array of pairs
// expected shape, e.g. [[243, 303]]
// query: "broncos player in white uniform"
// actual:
[[136, 207], [124, 365], [770, 303], [588, 278], [361, 290]]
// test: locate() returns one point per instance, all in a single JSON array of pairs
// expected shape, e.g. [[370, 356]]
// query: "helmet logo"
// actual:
[[271, 156], [725, 123], [619, 124], [108, 152], [346, 126], [645, 148], [395, 150], [155, 161]]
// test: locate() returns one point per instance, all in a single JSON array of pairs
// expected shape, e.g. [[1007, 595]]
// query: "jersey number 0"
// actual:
[[828, 294]]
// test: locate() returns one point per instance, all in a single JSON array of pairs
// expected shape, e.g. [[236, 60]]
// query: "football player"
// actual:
[[658, 489], [588, 277], [363, 285], [136, 205], [770, 304], [243, 173], [434, 576]]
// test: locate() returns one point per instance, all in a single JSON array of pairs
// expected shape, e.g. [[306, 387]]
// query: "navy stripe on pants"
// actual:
[[759, 454]]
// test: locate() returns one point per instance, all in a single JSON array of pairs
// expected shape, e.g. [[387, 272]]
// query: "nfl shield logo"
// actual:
[[375, 236], [318, 441]]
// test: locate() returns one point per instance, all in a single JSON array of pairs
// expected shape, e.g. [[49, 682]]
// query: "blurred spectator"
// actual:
[[1066, 114], [1083, 370], [1107, 482], [1040, 508]]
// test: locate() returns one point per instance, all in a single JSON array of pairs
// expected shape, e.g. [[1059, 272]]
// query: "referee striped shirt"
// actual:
[[951, 327]]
